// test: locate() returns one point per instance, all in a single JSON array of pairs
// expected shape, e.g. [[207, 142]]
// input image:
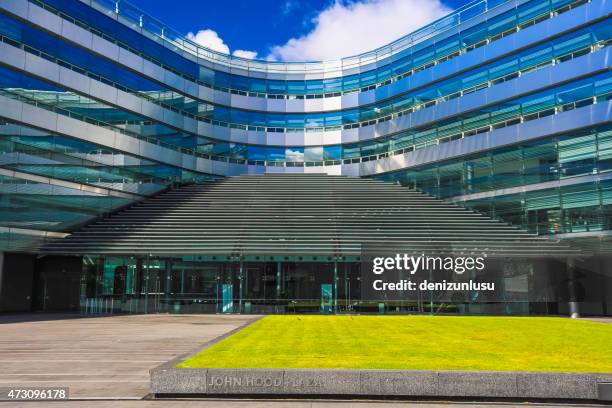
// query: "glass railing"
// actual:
[[137, 18], [397, 74], [177, 303]]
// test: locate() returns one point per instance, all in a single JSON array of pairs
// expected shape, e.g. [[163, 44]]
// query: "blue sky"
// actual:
[[294, 29]]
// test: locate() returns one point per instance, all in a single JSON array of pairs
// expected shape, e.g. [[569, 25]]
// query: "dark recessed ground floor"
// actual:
[[283, 285], [101, 285]]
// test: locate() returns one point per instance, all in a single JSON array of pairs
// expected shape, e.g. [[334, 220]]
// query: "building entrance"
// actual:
[[271, 286], [227, 298], [327, 298]]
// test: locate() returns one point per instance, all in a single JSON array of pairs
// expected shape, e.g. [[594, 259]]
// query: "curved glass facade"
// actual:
[[494, 97], [427, 93], [430, 45]]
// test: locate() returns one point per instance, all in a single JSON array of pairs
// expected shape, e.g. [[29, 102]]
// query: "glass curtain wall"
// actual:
[[581, 160], [116, 284], [410, 60]]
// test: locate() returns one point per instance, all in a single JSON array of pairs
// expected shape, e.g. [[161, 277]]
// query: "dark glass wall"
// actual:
[[116, 284]]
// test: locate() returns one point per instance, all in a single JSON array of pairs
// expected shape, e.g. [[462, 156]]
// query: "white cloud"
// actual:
[[348, 28], [245, 54], [209, 38], [294, 155]]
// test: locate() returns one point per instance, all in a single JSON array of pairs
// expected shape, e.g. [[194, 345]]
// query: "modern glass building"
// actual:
[[503, 108]]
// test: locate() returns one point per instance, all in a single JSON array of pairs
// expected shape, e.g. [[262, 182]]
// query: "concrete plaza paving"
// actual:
[[99, 357]]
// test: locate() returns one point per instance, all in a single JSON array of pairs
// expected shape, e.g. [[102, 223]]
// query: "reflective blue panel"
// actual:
[[424, 53], [558, 50]]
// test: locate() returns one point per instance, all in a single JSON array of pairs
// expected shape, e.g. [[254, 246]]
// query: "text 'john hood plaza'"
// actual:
[[142, 173]]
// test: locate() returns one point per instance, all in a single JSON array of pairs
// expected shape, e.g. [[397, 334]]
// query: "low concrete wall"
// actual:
[[169, 380]]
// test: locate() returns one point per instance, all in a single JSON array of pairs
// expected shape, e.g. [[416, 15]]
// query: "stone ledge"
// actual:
[[500, 384]]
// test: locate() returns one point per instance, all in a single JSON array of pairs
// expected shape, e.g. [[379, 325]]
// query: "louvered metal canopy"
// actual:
[[301, 214]]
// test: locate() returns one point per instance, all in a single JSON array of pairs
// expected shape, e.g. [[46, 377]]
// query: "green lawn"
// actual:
[[415, 343]]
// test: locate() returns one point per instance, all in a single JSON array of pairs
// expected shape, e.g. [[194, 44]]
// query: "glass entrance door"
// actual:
[[227, 298], [327, 298]]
